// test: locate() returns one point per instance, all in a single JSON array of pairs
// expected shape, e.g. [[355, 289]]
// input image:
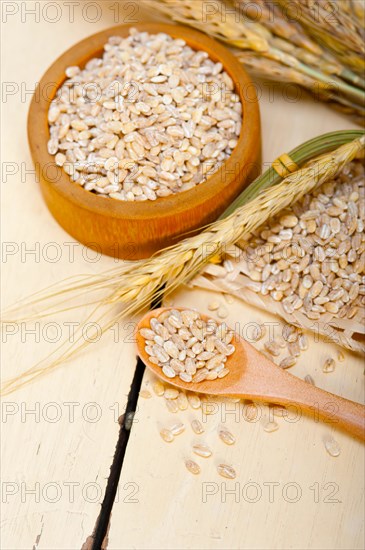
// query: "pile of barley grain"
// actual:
[[311, 258], [185, 345], [152, 117]]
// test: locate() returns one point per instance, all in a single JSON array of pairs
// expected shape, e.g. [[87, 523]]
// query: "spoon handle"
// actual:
[[320, 404], [270, 383], [330, 408]]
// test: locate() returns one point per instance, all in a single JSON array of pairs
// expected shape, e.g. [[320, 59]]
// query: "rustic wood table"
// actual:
[[59, 434]]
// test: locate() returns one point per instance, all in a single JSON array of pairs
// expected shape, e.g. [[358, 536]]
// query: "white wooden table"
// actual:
[[59, 434]]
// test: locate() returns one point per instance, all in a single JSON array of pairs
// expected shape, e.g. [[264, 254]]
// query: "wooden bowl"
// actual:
[[133, 230]]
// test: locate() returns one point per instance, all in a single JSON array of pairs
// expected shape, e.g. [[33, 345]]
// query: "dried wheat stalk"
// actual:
[[334, 25], [136, 285], [269, 14], [244, 34]]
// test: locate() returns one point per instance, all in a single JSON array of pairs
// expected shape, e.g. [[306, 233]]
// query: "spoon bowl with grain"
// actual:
[[251, 375]]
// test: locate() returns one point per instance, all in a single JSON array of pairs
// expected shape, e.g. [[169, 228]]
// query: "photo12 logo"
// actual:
[[252, 492], [53, 492], [69, 12]]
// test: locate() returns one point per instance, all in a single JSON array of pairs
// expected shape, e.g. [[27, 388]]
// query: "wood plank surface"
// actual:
[[55, 461], [288, 493], [64, 450]]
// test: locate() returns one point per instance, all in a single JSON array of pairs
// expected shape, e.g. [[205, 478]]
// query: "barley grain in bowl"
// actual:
[[142, 158], [150, 118]]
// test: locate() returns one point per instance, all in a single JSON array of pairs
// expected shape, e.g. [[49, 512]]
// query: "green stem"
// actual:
[[353, 78], [300, 155]]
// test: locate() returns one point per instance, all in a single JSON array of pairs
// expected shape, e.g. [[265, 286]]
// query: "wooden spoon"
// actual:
[[253, 376]]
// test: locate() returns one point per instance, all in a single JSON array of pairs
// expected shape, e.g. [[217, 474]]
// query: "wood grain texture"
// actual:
[[146, 226], [170, 512]]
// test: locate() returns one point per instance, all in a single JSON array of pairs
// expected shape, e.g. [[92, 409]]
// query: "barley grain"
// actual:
[[185, 377], [331, 445], [311, 251], [271, 426], [200, 376], [158, 388], [227, 471], [194, 401], [197, 426], [294, 349], [168, 371], [222, 312], [172, 405], [177, 429], [171, 393], [202, 450], [182, 401], [171, 349], [272, 348], [192, 467], [303, 342], [287, 362], [223, 373], [251, 412], [329, 365], [167, 435], [226, 437]]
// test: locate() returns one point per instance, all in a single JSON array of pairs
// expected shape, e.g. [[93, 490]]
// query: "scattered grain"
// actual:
[[177, 429], [303, 342], [172, 405], [223, 312], [226, 437], [227, 471], [182, 401], [272, 348], [287, 362], [251, 412], [202, 450], [271, 426], [158, 388], [171, 393], [197, 426], [192, 467], [167, 435], [331, 445], [329, 365], [194, 401], [294, 349]]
